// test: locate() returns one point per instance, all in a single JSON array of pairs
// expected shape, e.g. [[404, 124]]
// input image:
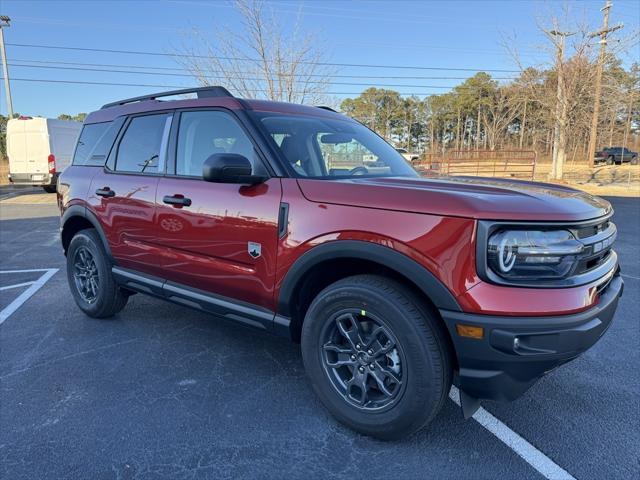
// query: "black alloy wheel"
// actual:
[[376, 356], [90, 276], [85, 275], [363, 359]]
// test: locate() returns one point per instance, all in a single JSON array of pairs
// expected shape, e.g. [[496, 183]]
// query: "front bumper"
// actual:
[[497, 367]]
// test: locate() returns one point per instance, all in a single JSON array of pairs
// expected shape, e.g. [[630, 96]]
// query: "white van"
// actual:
[[39, 149]]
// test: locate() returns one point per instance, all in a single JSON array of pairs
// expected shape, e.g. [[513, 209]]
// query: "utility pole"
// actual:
[[603, 33], [560, 129], [4, 22]]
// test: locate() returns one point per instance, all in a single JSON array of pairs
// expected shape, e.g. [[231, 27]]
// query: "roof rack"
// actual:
[[202, 92]]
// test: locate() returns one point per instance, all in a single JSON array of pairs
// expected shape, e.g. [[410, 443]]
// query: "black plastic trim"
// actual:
[[224, 307], [82, 211], [497, 368], [139, 282], [202, 92], [283, 219], [357, 249]]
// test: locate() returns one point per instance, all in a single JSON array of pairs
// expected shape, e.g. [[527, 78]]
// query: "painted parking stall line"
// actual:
[[28, 293], [17, 285], [530, 454]]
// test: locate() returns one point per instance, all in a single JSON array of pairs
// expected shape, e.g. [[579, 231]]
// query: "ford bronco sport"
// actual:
[[396, 286]]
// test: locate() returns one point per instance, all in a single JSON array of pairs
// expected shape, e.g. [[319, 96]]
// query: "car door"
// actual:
[[123, 195], [217, 237]]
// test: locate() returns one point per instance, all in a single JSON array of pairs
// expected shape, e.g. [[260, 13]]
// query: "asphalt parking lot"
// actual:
[[161, 391]]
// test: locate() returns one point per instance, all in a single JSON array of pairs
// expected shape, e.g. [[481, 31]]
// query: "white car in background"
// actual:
[[409, 157], [39, 149]]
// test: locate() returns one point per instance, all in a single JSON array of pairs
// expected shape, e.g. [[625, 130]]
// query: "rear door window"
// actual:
[[140, 149]]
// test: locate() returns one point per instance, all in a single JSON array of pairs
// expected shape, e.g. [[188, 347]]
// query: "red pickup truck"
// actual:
[[396, 286]]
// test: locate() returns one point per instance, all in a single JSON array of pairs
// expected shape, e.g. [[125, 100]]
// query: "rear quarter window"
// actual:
[[95, 142]]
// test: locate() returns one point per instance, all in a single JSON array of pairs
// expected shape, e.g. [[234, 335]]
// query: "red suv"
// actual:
[[302, 222]]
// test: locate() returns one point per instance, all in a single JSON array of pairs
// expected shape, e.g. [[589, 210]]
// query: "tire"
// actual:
[[102, 298], [419, 357], [49, 188], [610, 160], [634, 160]]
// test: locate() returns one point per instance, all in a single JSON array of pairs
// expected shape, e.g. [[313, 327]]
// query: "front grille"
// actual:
[[591, 230], [598, 240]]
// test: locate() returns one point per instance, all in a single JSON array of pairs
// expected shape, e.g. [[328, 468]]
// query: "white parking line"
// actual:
[[629, 276], [28, 271], [24, 296], [17, 285], [530, 454]]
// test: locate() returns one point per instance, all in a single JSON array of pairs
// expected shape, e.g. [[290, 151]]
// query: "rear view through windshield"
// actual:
[[328, 148]]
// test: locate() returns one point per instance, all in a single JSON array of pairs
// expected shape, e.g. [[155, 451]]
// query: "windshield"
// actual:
[[328, 148]]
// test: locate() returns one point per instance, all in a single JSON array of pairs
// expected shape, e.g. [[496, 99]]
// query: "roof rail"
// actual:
[[202, 92], [324, 107]]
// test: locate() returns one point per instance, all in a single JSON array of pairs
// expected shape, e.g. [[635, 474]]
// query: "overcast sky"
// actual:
[[442, 34]]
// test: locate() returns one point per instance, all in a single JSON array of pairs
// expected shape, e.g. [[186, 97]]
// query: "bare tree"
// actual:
[[499, 113], [261, 60]]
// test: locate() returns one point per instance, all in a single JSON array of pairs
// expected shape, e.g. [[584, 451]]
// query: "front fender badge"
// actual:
[[254, 249]]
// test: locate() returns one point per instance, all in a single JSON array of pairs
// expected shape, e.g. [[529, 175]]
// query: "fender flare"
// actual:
[[426, 281], [84, 212]]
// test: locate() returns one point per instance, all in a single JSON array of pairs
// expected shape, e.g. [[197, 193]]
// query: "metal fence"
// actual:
[[519, 164]]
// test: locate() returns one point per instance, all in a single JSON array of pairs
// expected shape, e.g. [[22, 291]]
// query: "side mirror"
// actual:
[[229, 168]]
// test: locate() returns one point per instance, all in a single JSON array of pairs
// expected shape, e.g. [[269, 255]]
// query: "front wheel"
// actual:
[[375, 356], [90, 279]]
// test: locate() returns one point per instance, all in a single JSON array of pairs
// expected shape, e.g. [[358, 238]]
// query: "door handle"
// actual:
[[177, 201], [105, 192]]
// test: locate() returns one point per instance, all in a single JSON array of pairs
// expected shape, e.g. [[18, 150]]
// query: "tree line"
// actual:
[[482, 113], [545, 108]]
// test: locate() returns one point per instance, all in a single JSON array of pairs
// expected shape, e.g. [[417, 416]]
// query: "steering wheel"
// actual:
[[358, 171]]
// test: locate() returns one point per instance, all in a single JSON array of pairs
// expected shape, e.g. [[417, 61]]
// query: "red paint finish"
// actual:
[[444, 245], [206, 245], [441, 244], [73, 186], [479, 198], [430, 220], [489, 299], [128, 218]]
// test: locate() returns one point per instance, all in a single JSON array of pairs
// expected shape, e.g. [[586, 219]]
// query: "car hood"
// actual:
[[471, 197]]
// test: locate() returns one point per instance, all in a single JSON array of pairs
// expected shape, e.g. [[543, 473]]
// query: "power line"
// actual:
[[187, 75], [326, 64], [176, 69], [82, 82]]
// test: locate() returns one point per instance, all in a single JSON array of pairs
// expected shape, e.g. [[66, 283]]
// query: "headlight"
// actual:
[[533, 254]]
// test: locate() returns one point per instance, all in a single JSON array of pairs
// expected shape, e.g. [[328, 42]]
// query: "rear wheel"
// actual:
[[90, 279], [375, 356]]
